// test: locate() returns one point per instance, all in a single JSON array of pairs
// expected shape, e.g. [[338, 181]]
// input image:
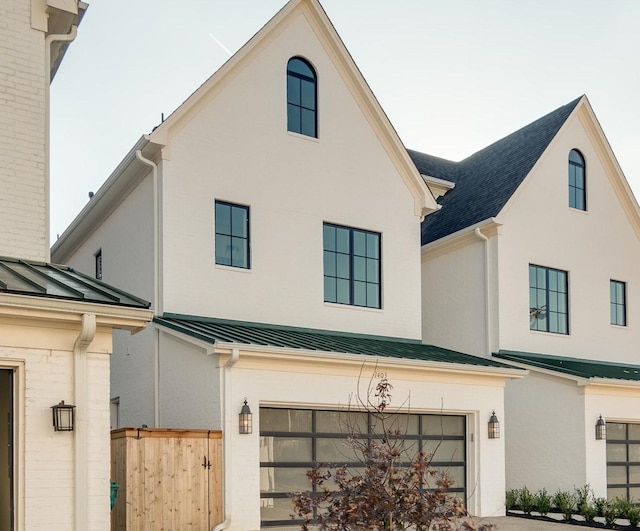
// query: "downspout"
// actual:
[[47, 96], [487, 290], [156, 289], [226, 427], [80, 347]]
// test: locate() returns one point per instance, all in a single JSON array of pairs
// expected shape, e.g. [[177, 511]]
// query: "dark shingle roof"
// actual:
[[212, 330], [487, 179], [574, 366], [38, 279]]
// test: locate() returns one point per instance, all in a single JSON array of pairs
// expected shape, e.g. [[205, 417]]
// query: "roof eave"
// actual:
[[488, 227]]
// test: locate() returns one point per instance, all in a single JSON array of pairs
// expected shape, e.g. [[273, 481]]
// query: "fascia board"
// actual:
[[489, 227], [556, 374], [113, 191], [294, 356], [612, 383], [207, 346], [61, 310]]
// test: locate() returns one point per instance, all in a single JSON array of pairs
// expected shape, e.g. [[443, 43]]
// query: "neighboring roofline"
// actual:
[[127, 175], [488, 227], [293, 355], [424, 202]]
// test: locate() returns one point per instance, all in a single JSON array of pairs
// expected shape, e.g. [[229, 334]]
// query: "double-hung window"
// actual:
[[618, 304], [548, 300], [351, 266], [232, 235]]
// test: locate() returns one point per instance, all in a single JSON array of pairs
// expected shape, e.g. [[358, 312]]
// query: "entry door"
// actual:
[[6, 449]]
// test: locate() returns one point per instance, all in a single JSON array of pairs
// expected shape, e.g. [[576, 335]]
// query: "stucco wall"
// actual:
[[332, 386], [236, 148], [593, 246], [42, 358]]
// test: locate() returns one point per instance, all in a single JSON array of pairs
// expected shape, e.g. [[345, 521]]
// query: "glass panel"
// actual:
[[223, 219], [359, 243], [562, 303], [553, 302], [359, 293], [445, 451], [616, 453], [612, 494], [336, 451], [634, 493], [285, 449], [330, 294], [634, 432], [329, 237], [574, 156], [240, 255], [563, 324], [373, 245], [612, 290], [329, 263], [580, 200], [541, 281], [293, 118], [342, 291], [634, 453], [285, 420], [359, 268], [239, 222], [300, 67], [620, 292], [562, 281], [342, 265], [373, 295], [532, 276], [456, 473], [342, 240], [553, 280], [614, 313], [284, 479], [553, 322], [275, 509], [443, 425], [572, 175], [223, 250], [373, 274], [616, 475], [395, 422], [308, 94], [634, 474], [616, 431], [351, 422], [308, 122], [293, 90], [620, 315]]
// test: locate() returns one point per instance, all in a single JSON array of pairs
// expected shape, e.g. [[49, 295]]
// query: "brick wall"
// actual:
[[23, 192]]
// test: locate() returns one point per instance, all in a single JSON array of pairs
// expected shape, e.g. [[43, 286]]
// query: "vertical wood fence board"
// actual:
[[163, 483]]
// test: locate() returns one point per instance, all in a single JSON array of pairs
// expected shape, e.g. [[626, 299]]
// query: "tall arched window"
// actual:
[[577, 181], [302, 98]]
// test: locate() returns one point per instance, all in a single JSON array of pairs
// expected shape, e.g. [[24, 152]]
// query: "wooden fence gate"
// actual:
[[170, 480]]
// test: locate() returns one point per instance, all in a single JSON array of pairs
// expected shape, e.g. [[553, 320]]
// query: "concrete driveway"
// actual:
[[513, 523]]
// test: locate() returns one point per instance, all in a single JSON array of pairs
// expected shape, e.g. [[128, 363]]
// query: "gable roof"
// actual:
[[38, 279], [581, 368], [487, 179], [215, 331]]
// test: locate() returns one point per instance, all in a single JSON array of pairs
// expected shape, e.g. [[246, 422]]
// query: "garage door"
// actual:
[[623, 460], [293, 440]]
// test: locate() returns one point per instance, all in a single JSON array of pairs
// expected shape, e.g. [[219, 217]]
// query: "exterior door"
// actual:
[[6, 449]]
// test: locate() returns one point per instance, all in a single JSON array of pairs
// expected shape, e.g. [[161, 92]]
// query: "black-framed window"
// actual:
[[292, 441], [548, 299], [302, 98], [98, 264], [618, 304], [351, 266], [232, 235], [577, 181], [623, 460]]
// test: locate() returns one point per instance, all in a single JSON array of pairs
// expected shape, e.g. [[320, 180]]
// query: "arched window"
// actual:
[[302, 98], [577, 181]]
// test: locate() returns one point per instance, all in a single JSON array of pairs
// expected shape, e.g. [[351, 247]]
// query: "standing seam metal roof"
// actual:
[[212, 330], [39, 279]]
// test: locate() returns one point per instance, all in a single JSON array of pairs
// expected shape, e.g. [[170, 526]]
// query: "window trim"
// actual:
[[247, 239], [351, 279], [578, 190], [547, 291], [302, 77], [617, 303]]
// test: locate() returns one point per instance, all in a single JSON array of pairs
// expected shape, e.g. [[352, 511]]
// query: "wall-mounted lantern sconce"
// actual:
[[63, 416], [245, 425], [494, 426], [601, 429]]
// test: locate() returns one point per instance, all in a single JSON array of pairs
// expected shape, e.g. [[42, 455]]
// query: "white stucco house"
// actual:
[[274, 222], [533, 259], [55, 323]]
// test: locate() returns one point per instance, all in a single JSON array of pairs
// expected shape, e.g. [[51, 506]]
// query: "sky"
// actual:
[[453, 76]]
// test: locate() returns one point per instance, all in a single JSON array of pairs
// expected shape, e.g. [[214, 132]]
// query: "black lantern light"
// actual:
[[245, 425], [494, 426], [63, 416], [601, 429]]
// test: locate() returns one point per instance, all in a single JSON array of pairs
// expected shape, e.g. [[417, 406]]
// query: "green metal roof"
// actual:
[[212, 330], [39, 279], [574, 366]]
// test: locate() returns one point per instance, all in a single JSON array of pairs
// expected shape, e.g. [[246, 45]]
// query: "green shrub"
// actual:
[[512, 499], [611, 512], [633, 515], [589, 512], [566, 503], [583, 498], [526, 501], [543, 502], [624, 507], [600, 504]]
